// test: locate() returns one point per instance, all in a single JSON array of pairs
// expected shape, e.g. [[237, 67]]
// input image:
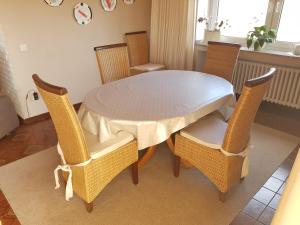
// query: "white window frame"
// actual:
[[272, 21]]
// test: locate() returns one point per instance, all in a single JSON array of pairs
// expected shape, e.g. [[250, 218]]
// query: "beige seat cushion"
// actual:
[[208, 131], [98, 149], [149, 67]]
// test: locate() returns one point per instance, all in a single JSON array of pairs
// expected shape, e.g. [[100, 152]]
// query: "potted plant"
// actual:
[[260, 36], [212, 28]]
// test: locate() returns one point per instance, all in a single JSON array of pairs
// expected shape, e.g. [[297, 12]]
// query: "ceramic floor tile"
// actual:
[[275, 201], [267, 216], [243, 219], [273, 184], [264, 195], [281, 189], [281, 173], [254, 208]]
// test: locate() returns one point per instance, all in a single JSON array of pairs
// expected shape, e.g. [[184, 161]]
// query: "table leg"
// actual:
[[171, 146], [151, 150], [148, 155]]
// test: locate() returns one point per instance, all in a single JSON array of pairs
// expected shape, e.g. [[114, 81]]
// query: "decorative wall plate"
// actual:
[[129, 2], [54, 2], [108, 5], [82, 13]]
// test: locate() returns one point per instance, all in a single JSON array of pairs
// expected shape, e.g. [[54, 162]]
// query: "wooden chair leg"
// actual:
[[89, 206], [222, 196], [176, 165], [135, 172]]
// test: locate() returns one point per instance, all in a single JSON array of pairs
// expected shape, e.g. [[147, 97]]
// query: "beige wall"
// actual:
[[59, 49]]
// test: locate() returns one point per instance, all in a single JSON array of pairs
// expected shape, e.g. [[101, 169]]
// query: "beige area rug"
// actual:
[[160, 198]]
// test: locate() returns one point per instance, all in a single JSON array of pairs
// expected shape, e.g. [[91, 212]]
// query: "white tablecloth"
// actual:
[[153, 105]]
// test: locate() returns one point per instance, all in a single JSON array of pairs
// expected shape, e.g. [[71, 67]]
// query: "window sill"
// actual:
[[272, 52], [267, 56]]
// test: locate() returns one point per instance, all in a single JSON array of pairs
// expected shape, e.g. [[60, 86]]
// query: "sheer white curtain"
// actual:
[[173, 33]]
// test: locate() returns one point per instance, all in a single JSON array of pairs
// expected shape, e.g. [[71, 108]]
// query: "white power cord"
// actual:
[[31, 91]]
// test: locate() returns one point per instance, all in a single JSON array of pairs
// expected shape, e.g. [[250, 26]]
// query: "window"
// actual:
[[241, 21], [243, 15], [201, 12], [289, 22]]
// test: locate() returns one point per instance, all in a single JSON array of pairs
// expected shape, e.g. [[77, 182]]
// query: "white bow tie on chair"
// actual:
[[244, 154], [66, 168]]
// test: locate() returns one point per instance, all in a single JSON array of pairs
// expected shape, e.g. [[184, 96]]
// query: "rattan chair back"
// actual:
[[220, 59], [138, 48], [113, 62], [69, 132], [238, 131]]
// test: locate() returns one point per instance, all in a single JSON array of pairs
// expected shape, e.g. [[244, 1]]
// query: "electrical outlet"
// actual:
[[35, 96], [23, 47]]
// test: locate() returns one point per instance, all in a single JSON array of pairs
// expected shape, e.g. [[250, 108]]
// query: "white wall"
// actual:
[[60, 50], [7, 86]]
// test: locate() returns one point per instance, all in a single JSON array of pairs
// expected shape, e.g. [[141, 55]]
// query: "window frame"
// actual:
[[274, 11]]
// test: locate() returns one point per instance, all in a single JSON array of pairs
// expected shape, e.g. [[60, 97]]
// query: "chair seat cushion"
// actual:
[[149, 67], [208, 131], [98, 149]]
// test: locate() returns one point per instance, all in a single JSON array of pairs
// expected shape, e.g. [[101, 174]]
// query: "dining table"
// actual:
[[154, 105]]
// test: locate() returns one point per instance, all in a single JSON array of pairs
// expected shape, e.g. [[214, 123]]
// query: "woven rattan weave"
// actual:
[[89, 180], [224, 171], [221, 59], [113, 62]]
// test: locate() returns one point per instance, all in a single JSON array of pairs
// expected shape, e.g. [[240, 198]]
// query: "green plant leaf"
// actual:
[[263, 28], [272, 33], [256, 45], [260, 36], [249, 43], [261, 42]]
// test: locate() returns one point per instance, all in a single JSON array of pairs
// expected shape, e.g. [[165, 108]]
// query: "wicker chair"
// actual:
[[113, 62], [221, 59], [139, 53], [219, 149], [100, 162]]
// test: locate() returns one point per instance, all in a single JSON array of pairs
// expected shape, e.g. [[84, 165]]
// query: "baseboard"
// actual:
[[42, 117]]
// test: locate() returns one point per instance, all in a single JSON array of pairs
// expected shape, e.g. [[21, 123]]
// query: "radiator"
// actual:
[[284, 88]]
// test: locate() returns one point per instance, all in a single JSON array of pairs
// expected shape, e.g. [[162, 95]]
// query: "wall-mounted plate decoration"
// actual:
[[108, 5], [82, 13], [54, 2], [129, 2]]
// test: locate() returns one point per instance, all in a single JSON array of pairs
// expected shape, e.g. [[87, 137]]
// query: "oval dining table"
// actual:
[[154, 105]]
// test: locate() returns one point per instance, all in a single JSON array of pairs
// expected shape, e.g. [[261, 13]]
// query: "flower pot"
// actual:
[[211, 36], [297, 49], [260, 47]]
